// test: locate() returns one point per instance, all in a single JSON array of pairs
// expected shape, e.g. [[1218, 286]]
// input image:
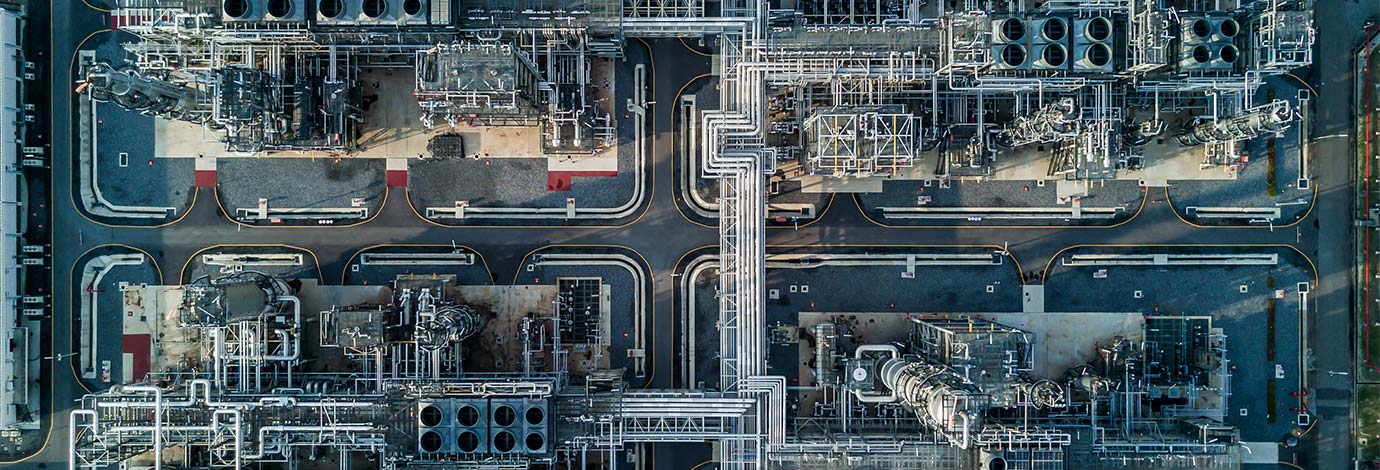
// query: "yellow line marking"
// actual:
[[71, 70], [1310, 86], [1312, 202], [651, 281], [696, 51], [651, 179], [93, 7], [1312, 266], [71, 310]]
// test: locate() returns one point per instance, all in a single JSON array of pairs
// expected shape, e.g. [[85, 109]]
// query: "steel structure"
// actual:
[[880, 86]]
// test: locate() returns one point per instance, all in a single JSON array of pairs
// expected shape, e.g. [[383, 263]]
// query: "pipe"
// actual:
[[892, 351], [157, 421]]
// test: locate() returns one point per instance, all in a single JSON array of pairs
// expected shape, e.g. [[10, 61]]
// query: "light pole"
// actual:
[[59, 357]]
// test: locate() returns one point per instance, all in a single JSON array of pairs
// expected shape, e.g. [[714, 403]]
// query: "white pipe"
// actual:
[[157, 421], [891, 350]]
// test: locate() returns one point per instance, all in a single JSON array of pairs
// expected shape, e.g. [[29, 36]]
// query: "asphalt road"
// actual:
[[662, 235]]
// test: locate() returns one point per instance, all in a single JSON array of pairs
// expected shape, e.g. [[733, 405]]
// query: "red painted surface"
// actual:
[[139, 346], [561, 180], [396, 178], [205, 178]]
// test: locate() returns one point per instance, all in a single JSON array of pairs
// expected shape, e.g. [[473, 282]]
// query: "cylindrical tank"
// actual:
[[826, 337]]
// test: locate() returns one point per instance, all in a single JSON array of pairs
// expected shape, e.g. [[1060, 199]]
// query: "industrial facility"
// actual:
[[252, 369], [245, 368]]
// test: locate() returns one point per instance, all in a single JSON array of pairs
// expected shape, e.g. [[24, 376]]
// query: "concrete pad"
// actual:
[[319, 298], [1033, 298], [1264, 453], [603, 162], [822, 184], [206, 164], [1066, 190], [177, 139], [1170, 161], [498, 344], [1064, 340]]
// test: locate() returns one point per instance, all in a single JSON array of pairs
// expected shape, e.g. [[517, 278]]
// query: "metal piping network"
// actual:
[[86, 423], [1267, 118], [257, 353], [735, 153]]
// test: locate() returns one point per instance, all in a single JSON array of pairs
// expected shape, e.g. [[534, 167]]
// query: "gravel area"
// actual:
[[1214, 291], [512, 182], [788, 192], [906, 193], [300, 182], [1250, 188], [143, 180], [110, 309]]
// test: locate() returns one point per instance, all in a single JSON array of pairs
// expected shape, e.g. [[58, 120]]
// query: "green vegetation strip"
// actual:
[[1270, 330], [1365, 372], [1270, 401], [1271, 187], [1368, 420]]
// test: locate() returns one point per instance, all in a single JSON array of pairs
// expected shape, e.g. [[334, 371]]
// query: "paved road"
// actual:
[[662, 235]]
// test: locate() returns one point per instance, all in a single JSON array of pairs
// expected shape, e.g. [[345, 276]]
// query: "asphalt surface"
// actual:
[[662, 235]]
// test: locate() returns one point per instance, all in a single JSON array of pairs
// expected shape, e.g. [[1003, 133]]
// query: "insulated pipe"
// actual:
[[890, 350], [157, 421], [928, 389]]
